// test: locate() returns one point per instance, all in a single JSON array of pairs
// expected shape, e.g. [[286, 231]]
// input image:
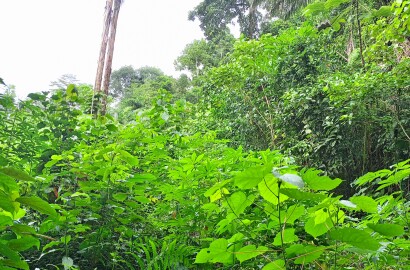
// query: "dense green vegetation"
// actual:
[[288, 148]]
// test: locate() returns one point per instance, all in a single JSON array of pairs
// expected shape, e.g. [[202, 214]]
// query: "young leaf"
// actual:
[[37, 204], [355, 237]]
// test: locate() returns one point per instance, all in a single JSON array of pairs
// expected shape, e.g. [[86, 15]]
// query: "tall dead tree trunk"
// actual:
[[110, 52], [103, 49], [106, 52]]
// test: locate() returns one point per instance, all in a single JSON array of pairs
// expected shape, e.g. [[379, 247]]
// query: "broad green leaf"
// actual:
[[120, 196], [142, 199], [15, 264], [316, 230], [37, 204], [142, 178], [394, 179], [251, 177], [6, 203], [355, 237], [365, 203], [112, 127], [5, 251], [269, 190], [21, 229], [319, 182], [292, 179], [23, 243], [275, 265], [5, 220], [215, 187], [387, 229], [218, 194], [301, 195], [127, 157], [238, 202], [17, 174], [288, 237], [249, 252], [8, 182], [304, 254], [292, 213], [217, 252]]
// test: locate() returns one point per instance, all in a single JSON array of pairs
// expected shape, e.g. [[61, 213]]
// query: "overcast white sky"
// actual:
[[42, 40]]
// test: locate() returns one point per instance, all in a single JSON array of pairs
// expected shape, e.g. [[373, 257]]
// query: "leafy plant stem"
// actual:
[[280, 226]]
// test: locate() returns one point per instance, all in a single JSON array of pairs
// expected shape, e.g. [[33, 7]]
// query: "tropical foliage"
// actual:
[[290, 151]]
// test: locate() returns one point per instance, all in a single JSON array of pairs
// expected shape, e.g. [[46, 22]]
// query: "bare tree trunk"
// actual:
[[110, 53], [103, 49]]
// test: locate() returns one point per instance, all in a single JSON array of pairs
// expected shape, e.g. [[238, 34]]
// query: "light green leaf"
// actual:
[[318, 182], [387, 229], [365, 203], [292, 213], [288, 237], [355, 237], [142, 178], [275, 265], [251, 177], [249, 252], [316, 230], [127, 157], [269, 190], [238, 202], [38, 204], [217, 252], [120, 196]]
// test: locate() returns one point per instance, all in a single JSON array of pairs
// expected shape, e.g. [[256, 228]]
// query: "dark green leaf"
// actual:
[[387, 229], [355, 237], [17, 174], [38, 204], [23, 243]]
